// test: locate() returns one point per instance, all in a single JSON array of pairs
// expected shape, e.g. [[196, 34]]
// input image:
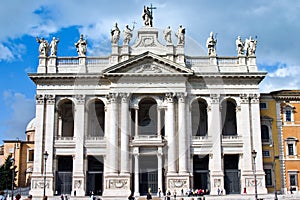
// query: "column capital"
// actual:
[[112, 97], [50, 99], [124, 97], [215, 98], [254, 98], [170, 97], [244, 98], [80, 99], [39, 99], [181, 96]]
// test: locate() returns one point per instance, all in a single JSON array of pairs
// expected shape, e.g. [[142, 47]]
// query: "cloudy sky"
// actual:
[[274, 22]]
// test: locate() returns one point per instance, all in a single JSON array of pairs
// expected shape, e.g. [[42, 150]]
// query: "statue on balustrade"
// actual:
[[53, 46], [115, 34], [180, 35], [43, 47], [250, 46], [239, 45], [81, 46], [168, 34], [211, 45], [147, 16], [127, 35]]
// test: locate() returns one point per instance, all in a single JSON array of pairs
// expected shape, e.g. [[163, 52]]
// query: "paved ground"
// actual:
[[226, 197]]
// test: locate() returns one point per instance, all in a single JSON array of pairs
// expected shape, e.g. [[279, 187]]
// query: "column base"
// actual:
[[37, 185], [178, 182], [249, 187], [217, 183], [78, 186], [117, 186]]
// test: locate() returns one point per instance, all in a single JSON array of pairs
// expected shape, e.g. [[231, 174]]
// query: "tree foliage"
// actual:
[[6, 174]]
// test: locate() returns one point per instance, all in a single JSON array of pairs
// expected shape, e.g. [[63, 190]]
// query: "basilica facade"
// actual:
[[147, 117]]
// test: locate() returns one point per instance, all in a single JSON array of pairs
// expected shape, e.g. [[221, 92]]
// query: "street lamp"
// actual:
[[45, 161], [254, 166], [12, 160]]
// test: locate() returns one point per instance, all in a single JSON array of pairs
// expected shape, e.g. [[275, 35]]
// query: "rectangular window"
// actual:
[[266, 153], [288, 116], [30, 155], [263, 105], [268, 177], [291, 149], [293, 179]]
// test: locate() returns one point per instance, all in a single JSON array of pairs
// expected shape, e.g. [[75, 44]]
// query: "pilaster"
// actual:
[[42, 67], [51, 68]]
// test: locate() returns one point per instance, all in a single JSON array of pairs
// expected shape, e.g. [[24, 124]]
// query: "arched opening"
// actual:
[[199, 118], [147, 117], [229, 118], [66, 119], [96, 119]]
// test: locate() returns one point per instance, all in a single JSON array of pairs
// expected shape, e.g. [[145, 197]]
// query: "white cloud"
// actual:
[[22, 111]]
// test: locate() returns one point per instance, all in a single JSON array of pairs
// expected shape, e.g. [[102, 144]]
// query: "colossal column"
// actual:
[[182, 136], [78, 165], [125, 133]]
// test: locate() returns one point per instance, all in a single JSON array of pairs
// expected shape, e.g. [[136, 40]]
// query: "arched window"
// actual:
[[96, 119], [66, 118], [265, 136], [147, 117], [199, 118], [229, 118]]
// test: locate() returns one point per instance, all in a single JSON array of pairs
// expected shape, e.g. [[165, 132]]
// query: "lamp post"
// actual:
[[12, 160], [45, 164], [254, 168]]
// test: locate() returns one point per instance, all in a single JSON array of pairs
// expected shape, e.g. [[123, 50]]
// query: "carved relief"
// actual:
[[148, 68], [177, 183], [77, 184], [148, 42], [250, 182], [118, 184], [39, 184], [217, 182]]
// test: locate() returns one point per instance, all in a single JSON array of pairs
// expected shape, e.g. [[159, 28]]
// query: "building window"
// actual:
[[263, 105], [30, 155], [290, 149], [266, 153], [291, 146], [288, 116], [265, 136], [293, 178], [268, 177]]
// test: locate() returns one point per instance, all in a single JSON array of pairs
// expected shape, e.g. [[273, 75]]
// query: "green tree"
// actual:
[[6, 174]]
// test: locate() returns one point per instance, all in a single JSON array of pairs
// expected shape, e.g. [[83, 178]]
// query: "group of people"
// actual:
[[17, 197]]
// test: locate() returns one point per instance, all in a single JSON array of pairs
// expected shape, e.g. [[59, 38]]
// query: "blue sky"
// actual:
[[274, 22]]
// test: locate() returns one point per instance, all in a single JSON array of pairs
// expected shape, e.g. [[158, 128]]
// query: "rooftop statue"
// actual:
[[147, 16], [239, 45], [211, 45], [115, 34], [168, 34], [250, 46], [180, 35], [127, 35], [44, 46], [53, 46], [81, 46]]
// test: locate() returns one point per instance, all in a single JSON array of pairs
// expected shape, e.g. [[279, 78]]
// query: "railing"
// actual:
[[94, 138], [64, 138], [228, 61], [147, 137], [190, 61], [205, 137], [97, 60], [67, 61], [231, 137]]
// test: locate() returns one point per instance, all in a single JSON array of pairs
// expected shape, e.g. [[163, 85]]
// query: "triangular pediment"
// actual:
[[147, 64]]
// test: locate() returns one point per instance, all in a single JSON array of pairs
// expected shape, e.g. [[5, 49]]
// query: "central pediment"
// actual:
[[147, 64]]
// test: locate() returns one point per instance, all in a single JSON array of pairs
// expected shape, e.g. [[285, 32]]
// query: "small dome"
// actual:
[[31, 125]]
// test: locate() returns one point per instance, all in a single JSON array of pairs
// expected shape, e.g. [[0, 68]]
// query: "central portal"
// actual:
[[148, 174]]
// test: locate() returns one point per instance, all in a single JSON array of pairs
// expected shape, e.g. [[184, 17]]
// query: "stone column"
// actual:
[[37, 176], [243, 127], [159, 167], [112, 142], [136, 171], [78, 164], [215, 132], [136, 122], [125, 116], [158, 122], [170, 129], [257, 145], [182, 136], [49, 126]]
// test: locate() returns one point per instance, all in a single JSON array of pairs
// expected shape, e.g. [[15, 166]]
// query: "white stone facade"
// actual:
[[147, 116]]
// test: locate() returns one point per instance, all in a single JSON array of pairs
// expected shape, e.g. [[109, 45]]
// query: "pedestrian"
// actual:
[[149, 196], [29, 197], [62, 197], [168, 195], [18, 196], [159, 192], [2, 197]]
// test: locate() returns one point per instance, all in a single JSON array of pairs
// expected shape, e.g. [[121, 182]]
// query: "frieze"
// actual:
[[39, 98], [148, 68]]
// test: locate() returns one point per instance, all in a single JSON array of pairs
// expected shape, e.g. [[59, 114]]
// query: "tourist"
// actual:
[[18, 196], [149, 196], [2, 197]]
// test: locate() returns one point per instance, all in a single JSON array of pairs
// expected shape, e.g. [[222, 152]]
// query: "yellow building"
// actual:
[[23, 154], [271, 143], [288, 102]]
